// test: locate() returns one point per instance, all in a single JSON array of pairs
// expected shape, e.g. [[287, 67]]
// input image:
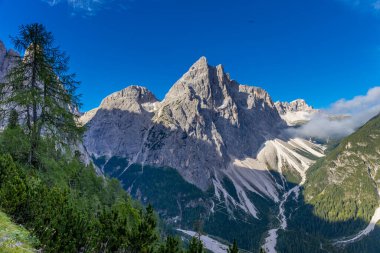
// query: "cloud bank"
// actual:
[[342, 117]]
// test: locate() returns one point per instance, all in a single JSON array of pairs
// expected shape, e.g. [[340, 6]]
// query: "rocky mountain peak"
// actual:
[[295, 112], [300, 105], [294, 106], [200, 63], [116, 125], [209, 84], [133, 99], [128, 98], [208, 110], [205, 117]]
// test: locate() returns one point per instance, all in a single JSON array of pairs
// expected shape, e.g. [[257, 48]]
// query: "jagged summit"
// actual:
[[207, 118], [200, 63], [293, 106], [210, 83], [295, 112], [299, 100]]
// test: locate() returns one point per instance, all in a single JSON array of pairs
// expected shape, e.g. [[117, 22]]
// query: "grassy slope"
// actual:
[[14, 238]]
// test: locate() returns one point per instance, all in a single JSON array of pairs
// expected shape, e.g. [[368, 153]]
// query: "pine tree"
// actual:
[[13, 119], [39, 87], [142, 240], [172, 245], [114, 228], [13, 189], [195, 246], [262, 250], [233, 248]]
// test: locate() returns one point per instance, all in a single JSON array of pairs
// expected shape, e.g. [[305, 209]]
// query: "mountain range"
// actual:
[[223, 140], [217, 157]]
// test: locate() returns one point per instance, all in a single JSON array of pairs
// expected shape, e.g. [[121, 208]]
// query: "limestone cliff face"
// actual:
[[117, 127], [206, 121], [7, 59]]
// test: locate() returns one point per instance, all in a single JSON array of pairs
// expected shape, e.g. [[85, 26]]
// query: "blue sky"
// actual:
[[319, 50]]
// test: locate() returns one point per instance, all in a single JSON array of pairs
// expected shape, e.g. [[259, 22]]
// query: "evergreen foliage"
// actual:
[[62, 217], [171, 245], [39, 87], [13, 119], [145, 235], [233, 248], [195, 246]]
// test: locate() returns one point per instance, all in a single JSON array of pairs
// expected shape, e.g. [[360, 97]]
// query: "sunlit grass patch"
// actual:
[[14, 238]]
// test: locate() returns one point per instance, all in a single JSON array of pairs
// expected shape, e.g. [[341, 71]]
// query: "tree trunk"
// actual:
[[34, 132]]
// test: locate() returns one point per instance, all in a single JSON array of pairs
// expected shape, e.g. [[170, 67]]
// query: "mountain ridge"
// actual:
[[296, 112]]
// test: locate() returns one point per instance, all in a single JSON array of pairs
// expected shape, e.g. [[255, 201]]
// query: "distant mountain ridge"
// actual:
[[295, 112]]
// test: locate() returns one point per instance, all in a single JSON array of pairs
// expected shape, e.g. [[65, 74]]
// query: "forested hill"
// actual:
[[338, 204]]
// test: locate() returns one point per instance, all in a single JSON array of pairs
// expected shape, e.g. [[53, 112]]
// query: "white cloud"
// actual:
[[342, 117], [88, 7], [373, 5], [376, 5]]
